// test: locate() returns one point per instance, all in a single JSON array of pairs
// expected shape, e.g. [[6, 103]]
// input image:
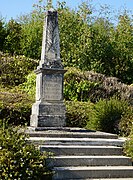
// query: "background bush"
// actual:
[[77, 86], [78, 113], [15, 106], [29, 86], [107, 115], [83, 89], [90, 86], [126, 122], [13, 69]]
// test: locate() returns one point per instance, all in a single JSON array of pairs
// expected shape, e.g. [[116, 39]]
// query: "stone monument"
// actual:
[[49, 109]]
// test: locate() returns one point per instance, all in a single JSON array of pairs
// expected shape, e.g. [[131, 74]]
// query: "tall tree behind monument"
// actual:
[[49, 109]]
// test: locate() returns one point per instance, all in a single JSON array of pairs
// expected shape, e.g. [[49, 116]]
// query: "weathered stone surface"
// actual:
[[95, 155], [50, 56], [81, 172], [49, 87], [49, 109]]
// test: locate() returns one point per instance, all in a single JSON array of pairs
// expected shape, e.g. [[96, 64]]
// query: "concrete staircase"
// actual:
[[82, 154]]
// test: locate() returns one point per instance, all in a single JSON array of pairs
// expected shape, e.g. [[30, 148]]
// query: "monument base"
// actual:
[[48, 115]]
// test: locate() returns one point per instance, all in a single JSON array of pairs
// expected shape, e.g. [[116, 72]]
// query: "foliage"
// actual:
[[126, 122], [122, 41], [88, 41], [78, 113], [13, 37], [15, 106], [32, 30], [128, 147], [107, 115], [2, 34], [77, 86], [13, 69], [87, 85], [84, 86], [19, 160], [74, 38], [102, 51], [29, 86]]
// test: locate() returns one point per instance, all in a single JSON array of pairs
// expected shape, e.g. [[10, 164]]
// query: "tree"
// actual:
[[32, 30], [123, 47], [74, 37], [101, 47], [87, 42], [2, 34], [13, 36]]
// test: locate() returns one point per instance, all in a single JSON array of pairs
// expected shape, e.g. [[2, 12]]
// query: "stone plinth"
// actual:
[[49, 109]]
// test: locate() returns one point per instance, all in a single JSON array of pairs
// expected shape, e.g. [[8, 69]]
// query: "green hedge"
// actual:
[[15, 107], [29, 86]]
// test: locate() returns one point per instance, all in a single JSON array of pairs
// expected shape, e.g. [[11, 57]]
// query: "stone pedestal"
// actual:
[[49, 109]]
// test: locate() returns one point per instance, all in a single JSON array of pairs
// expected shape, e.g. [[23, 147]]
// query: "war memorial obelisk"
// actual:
[[49, 109]]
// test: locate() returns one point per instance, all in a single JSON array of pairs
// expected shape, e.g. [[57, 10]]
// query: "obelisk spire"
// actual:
[[50, 56]]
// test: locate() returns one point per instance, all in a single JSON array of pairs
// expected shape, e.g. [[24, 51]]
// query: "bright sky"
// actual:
[[13, 8]]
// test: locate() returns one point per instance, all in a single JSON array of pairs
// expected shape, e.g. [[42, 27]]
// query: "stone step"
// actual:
[[68, 132], [76, 141], [92, 172], [64, 161], [83, 155], [106, 179], [82, 150]]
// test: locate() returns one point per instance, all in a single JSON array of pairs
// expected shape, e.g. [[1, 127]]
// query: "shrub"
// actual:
[[15, 106], [29, 86], [77, 86], [13, 69], [88, 85], [19, 160], [107, 115], [78, 113], [126, 122], [128, 147]]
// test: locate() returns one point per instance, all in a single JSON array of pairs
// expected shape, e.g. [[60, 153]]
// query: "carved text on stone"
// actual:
[[52, 87]]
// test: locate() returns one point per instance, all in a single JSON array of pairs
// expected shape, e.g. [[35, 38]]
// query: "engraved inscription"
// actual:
[[52, 87]]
